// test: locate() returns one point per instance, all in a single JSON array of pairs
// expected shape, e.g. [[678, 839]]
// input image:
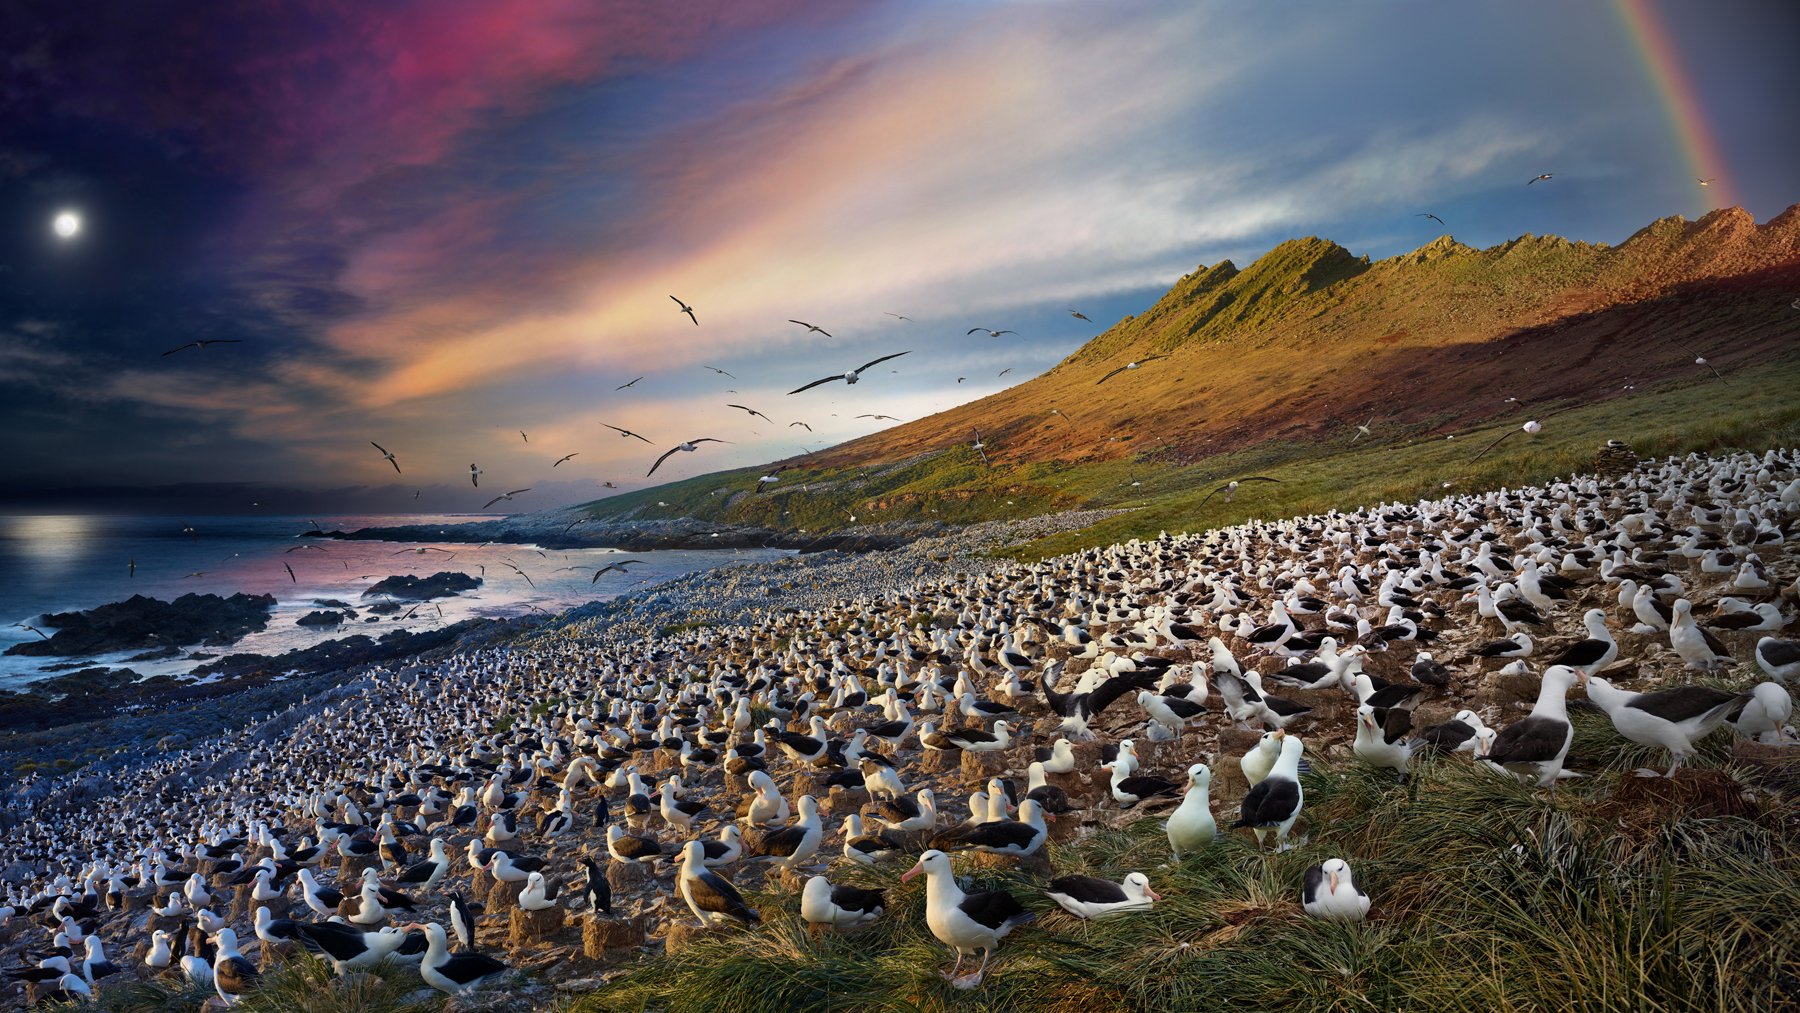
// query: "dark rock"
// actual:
[[328, 618], [159, 654], [140, 623], [385, 608], [444, 584], [330, 603]]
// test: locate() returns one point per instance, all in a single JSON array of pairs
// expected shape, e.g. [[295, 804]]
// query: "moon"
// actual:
[[66, 224]]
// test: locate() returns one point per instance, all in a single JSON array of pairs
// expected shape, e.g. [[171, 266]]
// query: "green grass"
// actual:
[[950, 486], [1488, 896]]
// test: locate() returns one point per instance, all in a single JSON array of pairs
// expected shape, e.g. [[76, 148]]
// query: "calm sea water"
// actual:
[[61, 563]]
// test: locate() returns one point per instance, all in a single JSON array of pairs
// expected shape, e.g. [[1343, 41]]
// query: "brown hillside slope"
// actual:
[[1309, 340]]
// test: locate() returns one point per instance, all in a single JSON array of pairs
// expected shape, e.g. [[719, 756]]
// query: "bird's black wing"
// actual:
[[1496, 443], [1272, 800], [660, 460], [813, 384], [1110, 375], [992, 908], [1315, 878], [881, 360]]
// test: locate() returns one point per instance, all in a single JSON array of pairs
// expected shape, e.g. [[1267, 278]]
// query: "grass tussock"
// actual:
[[1487, 894]]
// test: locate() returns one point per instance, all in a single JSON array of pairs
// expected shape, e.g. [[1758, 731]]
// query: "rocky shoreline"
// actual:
[[109, 717]]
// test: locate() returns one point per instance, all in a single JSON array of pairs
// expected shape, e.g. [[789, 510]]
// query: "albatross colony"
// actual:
[[575, 801]]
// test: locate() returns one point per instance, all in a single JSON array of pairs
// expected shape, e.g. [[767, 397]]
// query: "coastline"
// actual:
[[572, 529], [56, 737]]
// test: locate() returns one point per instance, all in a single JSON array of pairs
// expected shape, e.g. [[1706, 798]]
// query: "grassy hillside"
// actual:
[[1271, 368]]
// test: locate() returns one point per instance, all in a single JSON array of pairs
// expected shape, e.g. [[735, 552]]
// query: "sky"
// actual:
[[436, 224]]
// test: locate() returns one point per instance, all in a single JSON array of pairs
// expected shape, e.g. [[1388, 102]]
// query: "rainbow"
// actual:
[[1662, 64]]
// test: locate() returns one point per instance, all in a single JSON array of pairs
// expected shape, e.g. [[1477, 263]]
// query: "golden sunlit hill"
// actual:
[[1272, 367]]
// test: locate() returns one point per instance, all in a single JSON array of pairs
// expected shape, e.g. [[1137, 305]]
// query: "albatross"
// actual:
[[709, 895], [690, 446], [1674, 719], [1134, 364], [965, 921], [852, 376], [1092, 897], [1536, 745]]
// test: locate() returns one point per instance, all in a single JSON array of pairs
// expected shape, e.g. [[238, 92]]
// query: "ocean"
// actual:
[[73, 562]]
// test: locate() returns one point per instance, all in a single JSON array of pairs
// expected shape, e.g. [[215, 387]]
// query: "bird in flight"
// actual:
[[852, 376], [422, 550], [619, 566], [801, 425], [387, 456], [897, 316], [625, 432], [522, 436], [690, 446], [1128, 365], [878, 418], [1059, 413], [290, 571], [771, 478], [625, 385], [980, 447], [34, 629], [522, 573], [474, 476], [608, 485], [1230, 488], [1077, 314], [1435, 218], [203, 342], [1707, 182], [1363, 430], [689, 310], [131, 567], [1700, 360], [566, 457], [1531, 428], [196, 573], [300, 548], [752, 411], [961, 379], [188, 530], [1004, 372], [991, 333], [721, 372], [1540, 176], [503, 496], [813, 328]]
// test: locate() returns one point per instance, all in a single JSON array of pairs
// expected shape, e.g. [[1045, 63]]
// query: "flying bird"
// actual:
[[503, 496], [961, 379], [897, 316], [689, 310], [619, 566], [1700, 360], [721, 372], [522, 436], [608, 485], [878, 418], [1128, 365], [752, 411], [474, 476], [810, 327], [1230, 488], [980, 447], [1363, 430], [990, 333], [1077, 314], [852, 376], [422, 550], [386, 456], [131, 568], [566, 457], [626, 432], [1531, 426], [801, 424], [1707, 182], [203, 342], [689, 446], [34, 629], [625, 385], [1004, 371], [522, 573], [771, 478], [1435, 218], [1534, 179], [290, 571]]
